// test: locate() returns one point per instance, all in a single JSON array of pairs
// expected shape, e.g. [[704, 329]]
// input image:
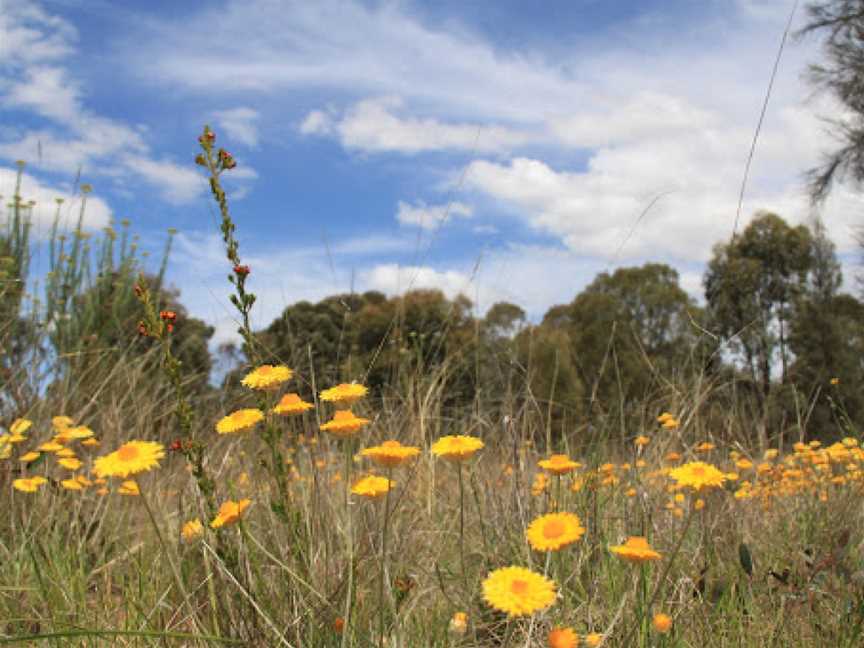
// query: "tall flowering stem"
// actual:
[[217, 161], [159, 326]]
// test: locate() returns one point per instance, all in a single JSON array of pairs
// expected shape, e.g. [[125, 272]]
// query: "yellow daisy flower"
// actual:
[[129, 488], [29, 484], [390, 454], [635, 550], [65, 453], [292, 404], [72, 484], [240, 421], [517, 591], [20, 426], [372, 487], [71, 433], [554, 531], [60, 423], [345, 394], [593, 639], [698, 475], [50, 446], [559, 464], [129, 459], [229, 513], [70, 463], [344, 424], [192, 529], [267, 377], [456, 448], [29, 457]]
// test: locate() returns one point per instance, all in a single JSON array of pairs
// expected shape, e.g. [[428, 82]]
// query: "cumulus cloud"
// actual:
[[34, 76], [239, 124], [374, 125], [431, 217]]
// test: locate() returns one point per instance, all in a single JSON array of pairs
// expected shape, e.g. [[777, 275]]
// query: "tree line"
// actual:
[[775, 329]]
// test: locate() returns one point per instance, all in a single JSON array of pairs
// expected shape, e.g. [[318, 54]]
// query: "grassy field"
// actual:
[[262, 528]]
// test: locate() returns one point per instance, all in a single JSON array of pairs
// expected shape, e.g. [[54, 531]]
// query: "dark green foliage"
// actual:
[[841, 24], [626, 322], [751, 286]]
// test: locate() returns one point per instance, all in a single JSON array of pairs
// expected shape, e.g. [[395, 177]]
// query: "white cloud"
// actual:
[[431, 217], [35, 48], [177, 183], [352, 48], [96, 214], [373, 126], [394, 279], [46, 90], [240, 124], [317, 122], [28, 34]]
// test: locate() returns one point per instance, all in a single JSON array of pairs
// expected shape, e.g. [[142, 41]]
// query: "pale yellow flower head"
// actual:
[[239, 421], [456, 448], [267, 377], [390, 454], [344, 395], [372, 487], [20, 426], [29, 484]]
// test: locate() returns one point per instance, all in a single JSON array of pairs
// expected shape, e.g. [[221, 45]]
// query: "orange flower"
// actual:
[[344, 424], [559, 464], [292, 404], [662, 622], [229, 513], [563, 638], [390, 454], [635, 550]]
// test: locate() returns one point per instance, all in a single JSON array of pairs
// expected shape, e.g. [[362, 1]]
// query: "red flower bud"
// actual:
[[142, 330], [242, 270]]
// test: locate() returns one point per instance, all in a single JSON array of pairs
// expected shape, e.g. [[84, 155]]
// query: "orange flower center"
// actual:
[[519, 587], [698, 471], [264, 370], [554, 529], [391, 444], [127, 453]]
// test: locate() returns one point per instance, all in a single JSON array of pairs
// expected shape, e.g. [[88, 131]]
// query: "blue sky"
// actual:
[[503, 150]]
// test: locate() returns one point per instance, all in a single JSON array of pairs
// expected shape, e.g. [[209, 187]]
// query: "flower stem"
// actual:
[[381, 601], [462, 527], [349, 458]]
